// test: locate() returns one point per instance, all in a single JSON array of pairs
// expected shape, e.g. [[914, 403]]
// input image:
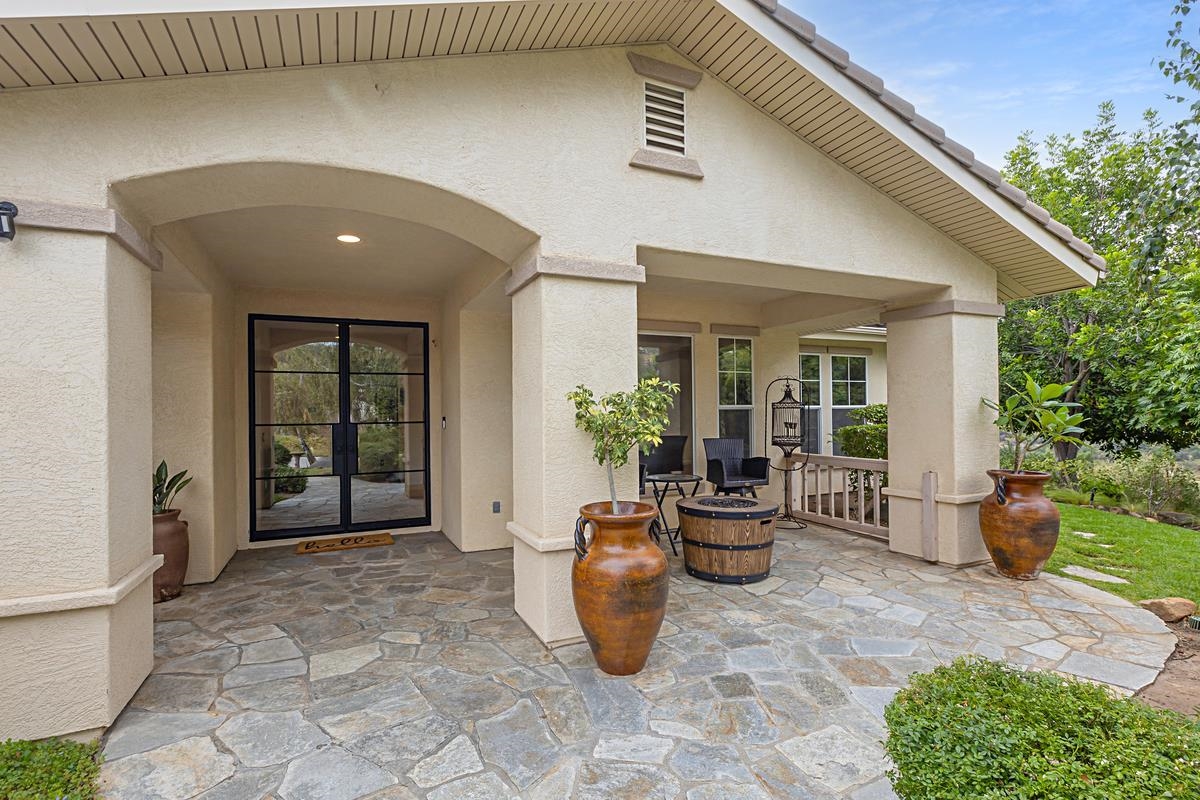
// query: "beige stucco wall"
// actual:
[[74, 482], [194, 399], [566, 332], [521, 125], [183, 415]]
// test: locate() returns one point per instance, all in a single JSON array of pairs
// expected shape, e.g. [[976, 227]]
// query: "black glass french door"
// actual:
[[339, 439]]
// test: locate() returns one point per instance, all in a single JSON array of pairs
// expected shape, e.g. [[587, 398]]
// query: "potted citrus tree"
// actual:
[[170, 534], [1018, 522], [619, 577]]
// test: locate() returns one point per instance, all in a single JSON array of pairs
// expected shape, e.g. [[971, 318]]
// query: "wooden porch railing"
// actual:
[[841, 492]]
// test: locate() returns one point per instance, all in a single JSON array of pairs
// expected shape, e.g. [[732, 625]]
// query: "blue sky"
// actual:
[[986, 70]]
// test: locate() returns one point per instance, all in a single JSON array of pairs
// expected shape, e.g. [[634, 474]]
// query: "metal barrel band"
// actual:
[[715, 578], [726, 514], [712, 546]]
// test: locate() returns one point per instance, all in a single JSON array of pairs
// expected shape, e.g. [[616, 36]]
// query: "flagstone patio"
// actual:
[[402, 672]]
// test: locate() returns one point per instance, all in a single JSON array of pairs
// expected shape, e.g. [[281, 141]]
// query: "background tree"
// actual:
[[1130, 347]]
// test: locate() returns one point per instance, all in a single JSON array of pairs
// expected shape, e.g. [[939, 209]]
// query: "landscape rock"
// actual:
[[1170, 609]]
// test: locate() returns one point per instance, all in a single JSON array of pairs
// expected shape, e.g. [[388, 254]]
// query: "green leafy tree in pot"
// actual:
[[1019, 524], [620, 420], [1037, 418]]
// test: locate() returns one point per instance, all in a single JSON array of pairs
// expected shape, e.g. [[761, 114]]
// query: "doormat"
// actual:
[[345, 543]]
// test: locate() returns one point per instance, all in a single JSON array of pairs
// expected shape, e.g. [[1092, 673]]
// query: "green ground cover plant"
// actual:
[[1157, 559], [983, 730], [51, 769]]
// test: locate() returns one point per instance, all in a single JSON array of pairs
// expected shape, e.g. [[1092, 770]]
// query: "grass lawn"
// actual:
[[1158, 560]]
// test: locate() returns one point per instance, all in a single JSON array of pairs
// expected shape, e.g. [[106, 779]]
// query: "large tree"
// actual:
[[1130, 347]]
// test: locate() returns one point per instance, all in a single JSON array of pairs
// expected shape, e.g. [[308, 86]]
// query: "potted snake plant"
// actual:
[[619, 577], [170, 534], [1018, 522]]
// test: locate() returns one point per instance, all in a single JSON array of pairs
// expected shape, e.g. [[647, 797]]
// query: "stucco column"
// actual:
[[76, 625], [574, 321], [941, 441]]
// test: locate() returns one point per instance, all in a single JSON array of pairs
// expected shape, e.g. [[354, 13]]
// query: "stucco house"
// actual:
[[474, 206]]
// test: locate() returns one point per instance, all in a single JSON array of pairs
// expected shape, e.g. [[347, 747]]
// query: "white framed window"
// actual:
[[810, 395], [735, 389], [848, 377], [666, 117], [848, 381]]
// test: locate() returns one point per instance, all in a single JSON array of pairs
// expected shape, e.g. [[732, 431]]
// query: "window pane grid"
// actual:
[[849, 381], [735, 380]]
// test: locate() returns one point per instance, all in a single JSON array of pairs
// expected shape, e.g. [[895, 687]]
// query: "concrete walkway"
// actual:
[[402, 672]]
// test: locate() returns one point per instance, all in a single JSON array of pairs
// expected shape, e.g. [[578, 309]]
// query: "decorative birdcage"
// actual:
[[789, 422], [788, 430]]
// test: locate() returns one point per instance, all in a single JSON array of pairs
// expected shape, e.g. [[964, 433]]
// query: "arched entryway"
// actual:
[[258, 316]]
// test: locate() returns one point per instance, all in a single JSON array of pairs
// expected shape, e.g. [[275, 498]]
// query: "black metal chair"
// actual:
[[667, 457], [730, 471]]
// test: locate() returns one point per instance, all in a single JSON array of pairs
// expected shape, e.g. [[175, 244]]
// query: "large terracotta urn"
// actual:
[[171, 542], [619, 582], [1019, 523]]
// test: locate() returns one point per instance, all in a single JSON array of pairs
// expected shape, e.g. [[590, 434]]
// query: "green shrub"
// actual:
[[1100, 479], [863, 441], [874, 414], [1157, 482], [379, 448], [868, 439], [983, 730], [283, 456], [51, 768], [290, 480]]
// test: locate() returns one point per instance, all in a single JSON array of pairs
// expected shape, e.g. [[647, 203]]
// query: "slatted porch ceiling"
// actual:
[[77, 50]]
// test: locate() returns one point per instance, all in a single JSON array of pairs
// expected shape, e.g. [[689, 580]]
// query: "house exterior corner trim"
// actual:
[[89, 219], [87, 598], [942, 307], [527, 271]]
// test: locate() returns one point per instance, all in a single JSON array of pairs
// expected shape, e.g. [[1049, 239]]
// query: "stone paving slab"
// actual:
[[402, 673]]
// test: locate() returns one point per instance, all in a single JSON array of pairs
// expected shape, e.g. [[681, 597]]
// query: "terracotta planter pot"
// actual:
[[1019, 523], [171, 542], [619, 582]]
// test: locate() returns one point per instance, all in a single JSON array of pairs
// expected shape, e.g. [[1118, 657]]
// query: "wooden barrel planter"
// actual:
[[727, 539]]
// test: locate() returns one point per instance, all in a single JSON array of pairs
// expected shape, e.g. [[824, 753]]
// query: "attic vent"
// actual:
[[665, 115]]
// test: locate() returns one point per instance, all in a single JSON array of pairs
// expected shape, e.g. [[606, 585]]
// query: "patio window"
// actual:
[[810, 394], [735, 377], [670, 358], [849, 389]]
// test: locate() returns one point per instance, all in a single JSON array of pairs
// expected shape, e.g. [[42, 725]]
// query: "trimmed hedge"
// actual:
[[51, 768], [983, 730]]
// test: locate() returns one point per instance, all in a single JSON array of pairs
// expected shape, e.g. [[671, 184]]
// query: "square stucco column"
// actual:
[[941, 441], [572, 323], [76, 628]]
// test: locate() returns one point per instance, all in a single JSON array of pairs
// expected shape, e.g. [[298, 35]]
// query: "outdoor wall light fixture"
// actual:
[[349, 238], [8, 228]]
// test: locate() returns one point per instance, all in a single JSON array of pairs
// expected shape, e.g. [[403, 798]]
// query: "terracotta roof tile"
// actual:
[[806, 32]]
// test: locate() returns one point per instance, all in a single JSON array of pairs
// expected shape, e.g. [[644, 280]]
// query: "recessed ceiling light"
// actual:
[[349, 238]]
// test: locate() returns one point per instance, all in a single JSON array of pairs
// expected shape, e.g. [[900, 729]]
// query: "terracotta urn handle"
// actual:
[[1001, 491], [581, 543]]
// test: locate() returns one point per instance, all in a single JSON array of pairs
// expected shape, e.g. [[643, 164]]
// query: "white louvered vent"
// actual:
[[665, 117]]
